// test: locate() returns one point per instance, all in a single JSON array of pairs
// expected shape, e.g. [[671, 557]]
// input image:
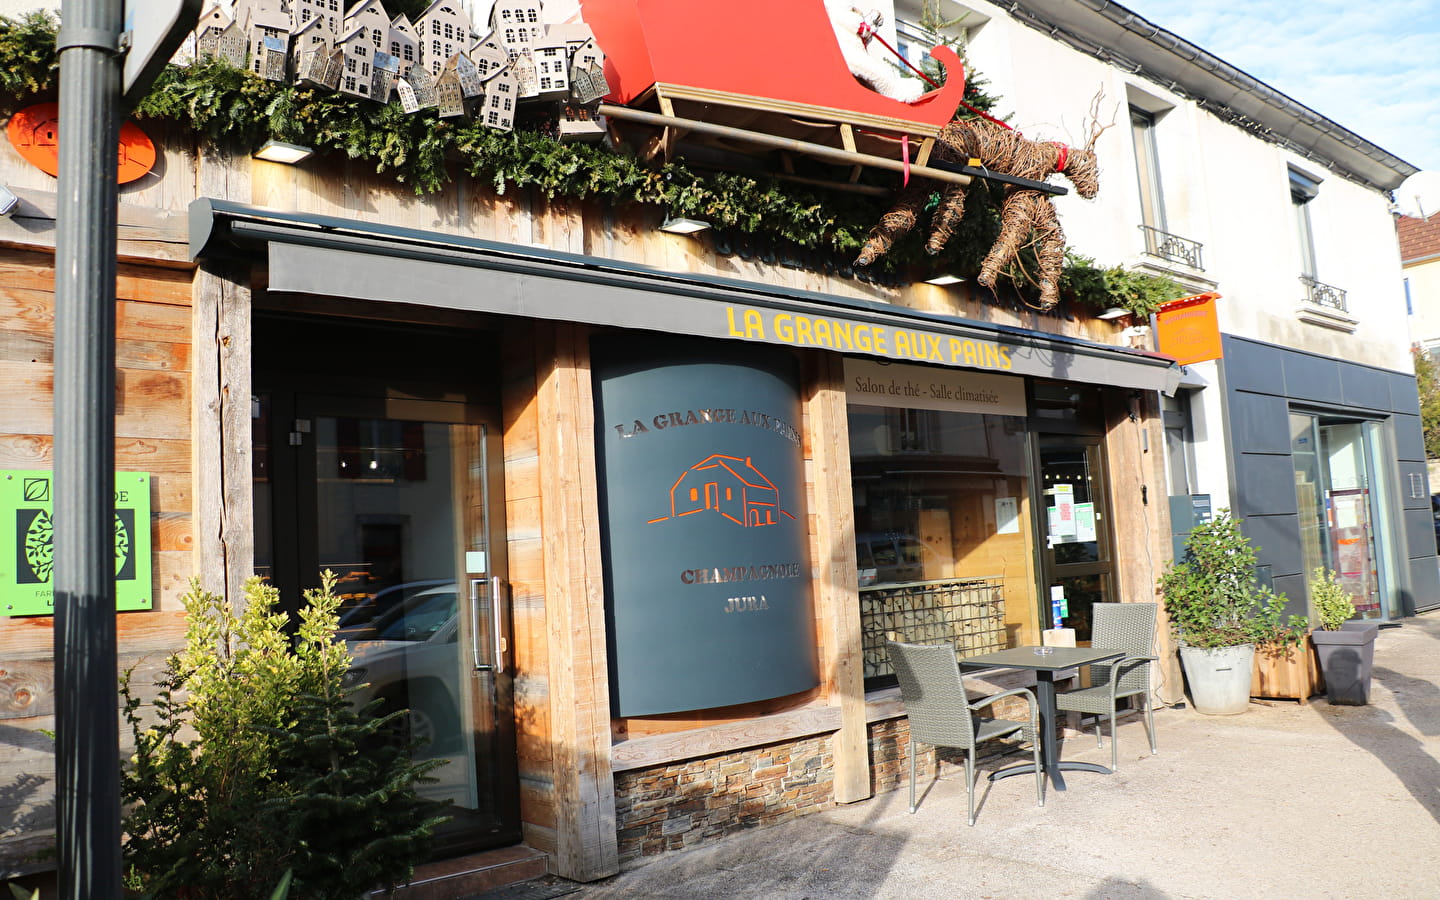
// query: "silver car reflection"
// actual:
[[409, 658]]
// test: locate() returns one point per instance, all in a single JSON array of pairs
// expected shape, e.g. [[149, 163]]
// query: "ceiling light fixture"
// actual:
[[943, 280], [679, 225], [1114, 312], [281, 152]]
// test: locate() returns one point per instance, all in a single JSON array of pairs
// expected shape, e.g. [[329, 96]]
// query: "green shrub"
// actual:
[[1211, 597], [1332, 602], [255, 763]]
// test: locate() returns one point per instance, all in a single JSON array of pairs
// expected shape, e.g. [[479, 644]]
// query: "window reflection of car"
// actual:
[[410, 659], [890, 557], [358, 622]]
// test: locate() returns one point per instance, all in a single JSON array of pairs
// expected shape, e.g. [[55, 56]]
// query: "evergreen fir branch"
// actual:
[[237, 110], [28, 62]]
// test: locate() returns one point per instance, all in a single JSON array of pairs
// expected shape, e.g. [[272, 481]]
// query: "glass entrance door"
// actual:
[[1343, 516], [1074, 520], [403, 499]]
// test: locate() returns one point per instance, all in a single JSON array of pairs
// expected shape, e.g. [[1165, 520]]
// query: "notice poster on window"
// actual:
[[1062, 520], [1348, 511], [1007, 515], [1084, 521]]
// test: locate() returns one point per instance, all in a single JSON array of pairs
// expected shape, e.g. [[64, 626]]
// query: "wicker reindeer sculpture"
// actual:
[[1025, 211]]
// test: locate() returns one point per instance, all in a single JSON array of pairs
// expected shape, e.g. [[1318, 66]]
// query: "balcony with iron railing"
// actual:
[[1323, 295], [1173, 248]]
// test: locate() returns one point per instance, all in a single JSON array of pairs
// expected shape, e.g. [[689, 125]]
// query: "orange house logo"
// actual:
[[728, 486]]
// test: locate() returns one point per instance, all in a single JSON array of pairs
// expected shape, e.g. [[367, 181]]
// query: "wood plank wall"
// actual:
[[183, 410], [152, 434]]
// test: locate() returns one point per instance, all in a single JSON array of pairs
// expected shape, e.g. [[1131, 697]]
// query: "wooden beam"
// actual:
[[659, 749], [927, 146], [1136, 461], [836, 587], [822, 114], [220, 411], [805, 148], [584, 783], [142, 233], [847, 140]]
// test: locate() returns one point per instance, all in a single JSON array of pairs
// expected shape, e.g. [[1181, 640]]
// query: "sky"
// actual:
[[1373, 68]]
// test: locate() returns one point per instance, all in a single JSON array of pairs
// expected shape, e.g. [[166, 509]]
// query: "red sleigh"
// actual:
[[769, 74]]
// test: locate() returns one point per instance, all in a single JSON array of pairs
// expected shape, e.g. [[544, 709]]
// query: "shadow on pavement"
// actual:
[[1114, 889], [1411, 759]]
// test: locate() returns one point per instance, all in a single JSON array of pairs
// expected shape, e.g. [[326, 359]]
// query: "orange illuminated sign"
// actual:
[[1188, 329], [35, 133]]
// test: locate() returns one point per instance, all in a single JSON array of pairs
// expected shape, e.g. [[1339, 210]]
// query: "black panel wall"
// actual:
[[1262, 381]]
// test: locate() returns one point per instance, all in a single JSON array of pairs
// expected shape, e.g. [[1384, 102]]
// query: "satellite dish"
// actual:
[[1419, 195]]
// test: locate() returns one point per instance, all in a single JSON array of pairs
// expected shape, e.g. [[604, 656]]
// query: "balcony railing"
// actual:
[[1172, 247], [1324, 295]]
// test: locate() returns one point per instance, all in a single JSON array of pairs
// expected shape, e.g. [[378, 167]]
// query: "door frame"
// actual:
[[1048, 570], [297, 396]]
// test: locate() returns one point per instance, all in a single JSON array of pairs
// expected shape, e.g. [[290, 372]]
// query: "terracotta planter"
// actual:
[[1286, 672]]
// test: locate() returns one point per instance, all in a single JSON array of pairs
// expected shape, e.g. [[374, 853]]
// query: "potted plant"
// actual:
[[1285, 666], [1346, 648], [1212, 600]]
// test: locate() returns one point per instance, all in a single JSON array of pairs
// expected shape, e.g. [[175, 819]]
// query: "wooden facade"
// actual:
[[184, 408]]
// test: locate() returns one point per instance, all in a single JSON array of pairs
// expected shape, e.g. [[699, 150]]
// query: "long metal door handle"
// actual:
[[499, 590], [475, 588]]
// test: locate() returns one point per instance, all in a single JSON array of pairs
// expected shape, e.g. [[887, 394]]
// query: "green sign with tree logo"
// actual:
[[27, 543]]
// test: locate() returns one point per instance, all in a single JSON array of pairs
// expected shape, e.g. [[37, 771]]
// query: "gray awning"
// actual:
[[345, 258]]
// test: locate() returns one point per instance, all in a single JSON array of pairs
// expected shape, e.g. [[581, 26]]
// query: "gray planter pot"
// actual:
[[1346, 657], [1219, 678]]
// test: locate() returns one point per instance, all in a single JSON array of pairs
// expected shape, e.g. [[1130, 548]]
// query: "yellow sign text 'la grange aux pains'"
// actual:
[[773, 326]]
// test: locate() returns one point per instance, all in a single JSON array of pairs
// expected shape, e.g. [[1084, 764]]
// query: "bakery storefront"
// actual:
[[628, 541]]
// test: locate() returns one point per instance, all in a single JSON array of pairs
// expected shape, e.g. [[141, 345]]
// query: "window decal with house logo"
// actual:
[[27, 543], [730, 487]]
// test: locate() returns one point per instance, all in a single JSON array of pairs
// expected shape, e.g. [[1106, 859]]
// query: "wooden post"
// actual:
[[836, 588], [220, 413], [1135, 448], [585, 838]]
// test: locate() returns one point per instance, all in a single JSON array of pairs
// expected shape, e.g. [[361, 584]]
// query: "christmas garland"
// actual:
[[238, 110]]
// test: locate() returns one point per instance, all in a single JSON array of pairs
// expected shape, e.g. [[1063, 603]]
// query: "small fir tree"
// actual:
[[256, 763]]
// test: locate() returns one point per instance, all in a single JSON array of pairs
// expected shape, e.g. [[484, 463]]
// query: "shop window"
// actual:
[[942, 529], [1068, 404], [909, 431]]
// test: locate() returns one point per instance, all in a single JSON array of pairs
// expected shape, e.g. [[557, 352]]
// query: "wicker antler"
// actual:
[[1095, 129]]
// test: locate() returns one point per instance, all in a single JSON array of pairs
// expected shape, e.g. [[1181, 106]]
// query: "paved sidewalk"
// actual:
[[1284, 801]]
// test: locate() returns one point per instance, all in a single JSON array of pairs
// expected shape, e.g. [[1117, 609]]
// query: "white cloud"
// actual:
[[1369, 68]]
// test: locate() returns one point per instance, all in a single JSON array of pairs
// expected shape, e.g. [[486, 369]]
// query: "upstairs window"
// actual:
[[1147, 168], [1303, 189]]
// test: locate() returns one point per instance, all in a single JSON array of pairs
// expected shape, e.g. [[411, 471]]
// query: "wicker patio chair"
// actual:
[[1117, 626], [942, 715]]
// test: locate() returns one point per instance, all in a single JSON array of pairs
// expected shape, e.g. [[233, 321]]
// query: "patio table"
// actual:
[[1045, 665]]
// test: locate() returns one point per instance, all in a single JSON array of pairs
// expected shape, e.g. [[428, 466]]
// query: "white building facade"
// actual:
[[1307, 428]]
